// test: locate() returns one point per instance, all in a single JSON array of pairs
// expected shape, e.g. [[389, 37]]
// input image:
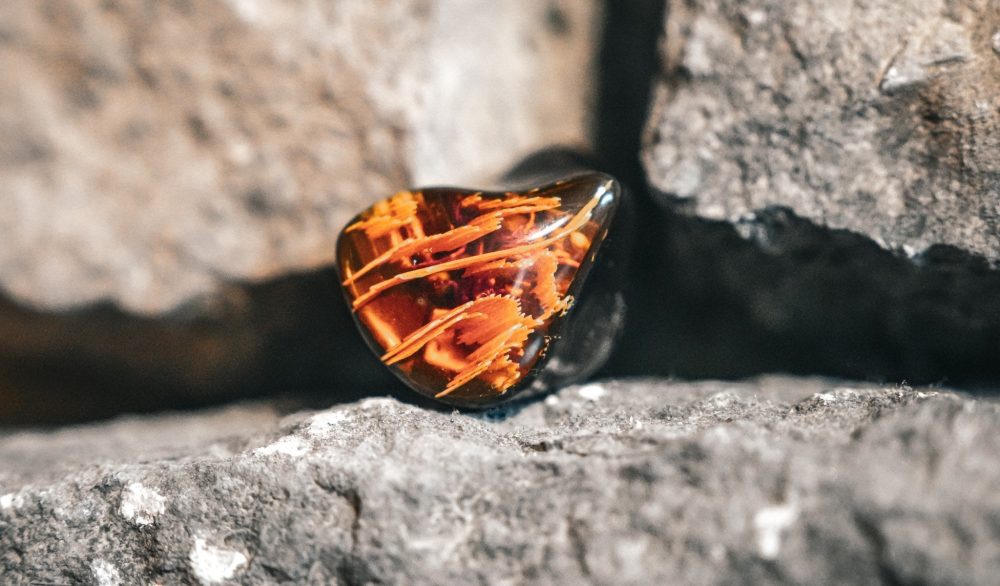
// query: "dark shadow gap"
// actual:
[[288, 335], [779, 294]]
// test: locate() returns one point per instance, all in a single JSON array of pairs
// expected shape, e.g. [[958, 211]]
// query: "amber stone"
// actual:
[[466, 294]]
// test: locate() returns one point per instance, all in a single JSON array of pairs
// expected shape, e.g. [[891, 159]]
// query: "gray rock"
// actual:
[[152, 152], [826, 184], [777, 480], [879, 117]]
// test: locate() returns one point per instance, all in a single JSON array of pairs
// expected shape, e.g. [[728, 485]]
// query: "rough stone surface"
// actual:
[[825, 192], [150, 151], [881, 117], [776, 480]]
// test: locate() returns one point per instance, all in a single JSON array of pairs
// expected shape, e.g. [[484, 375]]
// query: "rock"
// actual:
[[154, 152], [778, 480], [825, 178], [880, 117]]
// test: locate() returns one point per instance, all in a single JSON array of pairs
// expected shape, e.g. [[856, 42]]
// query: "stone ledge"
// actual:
[[774, 479]]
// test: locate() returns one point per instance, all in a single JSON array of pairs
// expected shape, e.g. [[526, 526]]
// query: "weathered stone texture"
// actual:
[[881, 117], [827, 186], [150, 151], [778, 480]]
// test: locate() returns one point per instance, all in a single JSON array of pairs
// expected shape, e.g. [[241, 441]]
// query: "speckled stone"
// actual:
[[878, 117], [777, 480]]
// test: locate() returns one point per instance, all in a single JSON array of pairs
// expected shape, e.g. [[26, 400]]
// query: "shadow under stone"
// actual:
[[290, 335], [776, 293]]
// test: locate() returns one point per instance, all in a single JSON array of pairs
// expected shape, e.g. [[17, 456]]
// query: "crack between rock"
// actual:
[[793, 48], [357, 572]]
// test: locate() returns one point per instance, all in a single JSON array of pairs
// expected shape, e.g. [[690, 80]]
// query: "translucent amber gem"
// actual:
[[464, 294]]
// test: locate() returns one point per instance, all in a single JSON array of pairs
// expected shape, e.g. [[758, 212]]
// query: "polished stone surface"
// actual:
[[465, 294]]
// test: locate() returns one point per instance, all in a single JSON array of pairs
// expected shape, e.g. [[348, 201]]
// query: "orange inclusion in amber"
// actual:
[[459, 289]]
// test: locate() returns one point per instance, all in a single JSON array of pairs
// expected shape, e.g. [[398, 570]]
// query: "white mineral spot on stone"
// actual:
[[631, 553], [703, 46], [757, 17], [717, 552], [591, 392], [211, 564], [770, 524], [996, 42], [686, 179], [896, 78], [104, 573], [250, 10], [141, 505], [826, 397], [712, 209], [241, 153], [552, 400], [287, 446], [7, 501]]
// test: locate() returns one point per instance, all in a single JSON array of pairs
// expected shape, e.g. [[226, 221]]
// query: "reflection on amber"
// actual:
[[459, 289]]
